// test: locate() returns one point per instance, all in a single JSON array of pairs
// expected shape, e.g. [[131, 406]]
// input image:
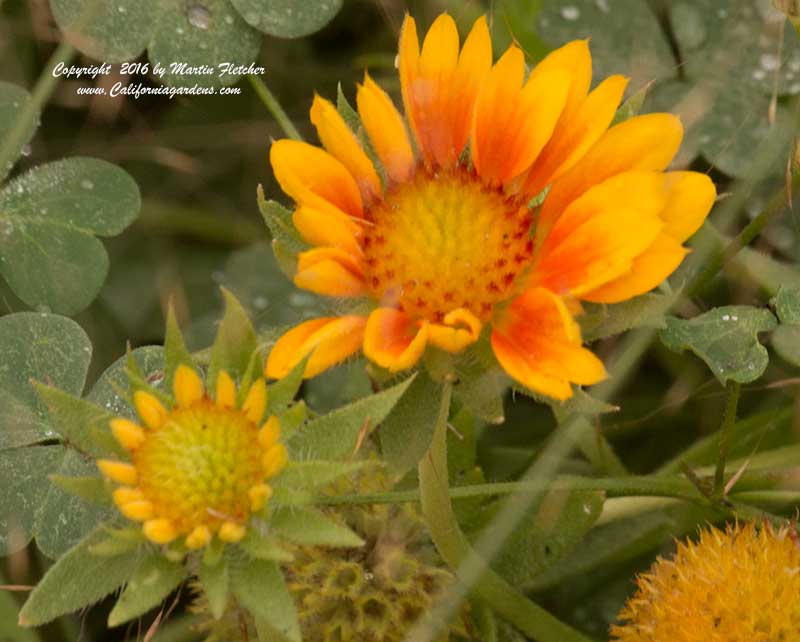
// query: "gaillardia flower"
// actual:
[[199, 469], [740, 585], [509, 201]]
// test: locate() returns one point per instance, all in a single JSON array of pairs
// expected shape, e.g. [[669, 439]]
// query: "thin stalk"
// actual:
[[474, 574], [728, 420], [274, 107], [14, 140]]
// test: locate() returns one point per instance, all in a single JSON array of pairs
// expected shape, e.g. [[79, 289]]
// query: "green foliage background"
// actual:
[[173, 186]]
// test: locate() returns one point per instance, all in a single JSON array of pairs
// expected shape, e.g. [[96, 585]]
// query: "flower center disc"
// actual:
[[446, 241], [198, 467]]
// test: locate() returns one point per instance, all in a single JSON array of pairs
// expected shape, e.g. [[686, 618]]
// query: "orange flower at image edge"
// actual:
[[446, 242]]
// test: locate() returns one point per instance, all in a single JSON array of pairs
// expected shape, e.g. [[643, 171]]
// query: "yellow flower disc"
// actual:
[[198, 469], [740, 585], [448, 242]]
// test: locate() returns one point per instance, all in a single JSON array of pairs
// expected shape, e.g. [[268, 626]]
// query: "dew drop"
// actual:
[[734, 318], [260, 302], [602, 5], [199, 17], [759, 74], [722, 13], [794, 88], [87, 184], [179, 31], [122, 9], [587, 509], [769, 61], [229, 19], [726, 317], [43, 309], [20, 189], [26, 150], [570, 13], [7, 228]]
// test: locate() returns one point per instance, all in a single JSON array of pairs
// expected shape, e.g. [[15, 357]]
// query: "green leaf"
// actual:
[[334, 435], [546, 533], [279, 222], [111, 390], [787, 304], [155, 578], [13, 101], [482, 383], [632, 106], [24, 484], [81, 423], [407, 431], [293, 419], [76, 581], [175, 352], [649, 311], [215, 580], [260, 588], [49, 220], [93, 490], [610, 26], [288, 18], [108, 31], [726, 338], [313, 474], [309, 526], [283, 391], [63, 519], [786, 342], [201, 33], [43, 347], [235, 344], [261, 547]]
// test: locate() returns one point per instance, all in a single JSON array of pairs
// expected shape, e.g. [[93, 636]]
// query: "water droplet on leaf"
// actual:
[[570, 13], [199, 17]]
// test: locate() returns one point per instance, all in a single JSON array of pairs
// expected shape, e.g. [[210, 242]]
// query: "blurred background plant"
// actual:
[[731, 70]]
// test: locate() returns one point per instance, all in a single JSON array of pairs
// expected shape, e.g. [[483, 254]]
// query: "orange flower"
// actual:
[[451, 238]]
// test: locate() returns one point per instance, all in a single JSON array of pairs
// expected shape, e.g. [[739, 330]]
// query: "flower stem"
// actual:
[[728, 419], [472, 571], [274, 107], [12, 143]]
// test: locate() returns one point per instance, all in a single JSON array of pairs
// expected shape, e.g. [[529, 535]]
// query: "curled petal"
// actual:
[[460, 329], [394, 340], [328, 340]]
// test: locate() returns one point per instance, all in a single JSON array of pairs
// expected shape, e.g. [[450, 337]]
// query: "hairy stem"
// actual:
[[274, 107]]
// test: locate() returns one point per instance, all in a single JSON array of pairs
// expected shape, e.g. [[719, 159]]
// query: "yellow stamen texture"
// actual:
[[446, 241], [160, 531], [231, 532], [198, 538]]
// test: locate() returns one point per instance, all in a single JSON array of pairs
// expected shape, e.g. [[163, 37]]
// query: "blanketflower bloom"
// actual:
[[199, 469], [512, 201], [737, 585]]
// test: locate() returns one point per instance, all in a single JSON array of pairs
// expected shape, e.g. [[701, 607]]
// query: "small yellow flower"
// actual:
[[740, 585], [200, 468]]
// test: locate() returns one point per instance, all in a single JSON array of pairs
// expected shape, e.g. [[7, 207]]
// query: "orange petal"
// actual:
[[311, 176], [597, 238], [690, 197], [646, 142], [329, 271], [394, 340], [327, 229], [439, 87], [343, 145], [575, 59], [386, 130], [577, 130], [460, 329], [648, 270], [538, 343], [512, 123], [329, 340]]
